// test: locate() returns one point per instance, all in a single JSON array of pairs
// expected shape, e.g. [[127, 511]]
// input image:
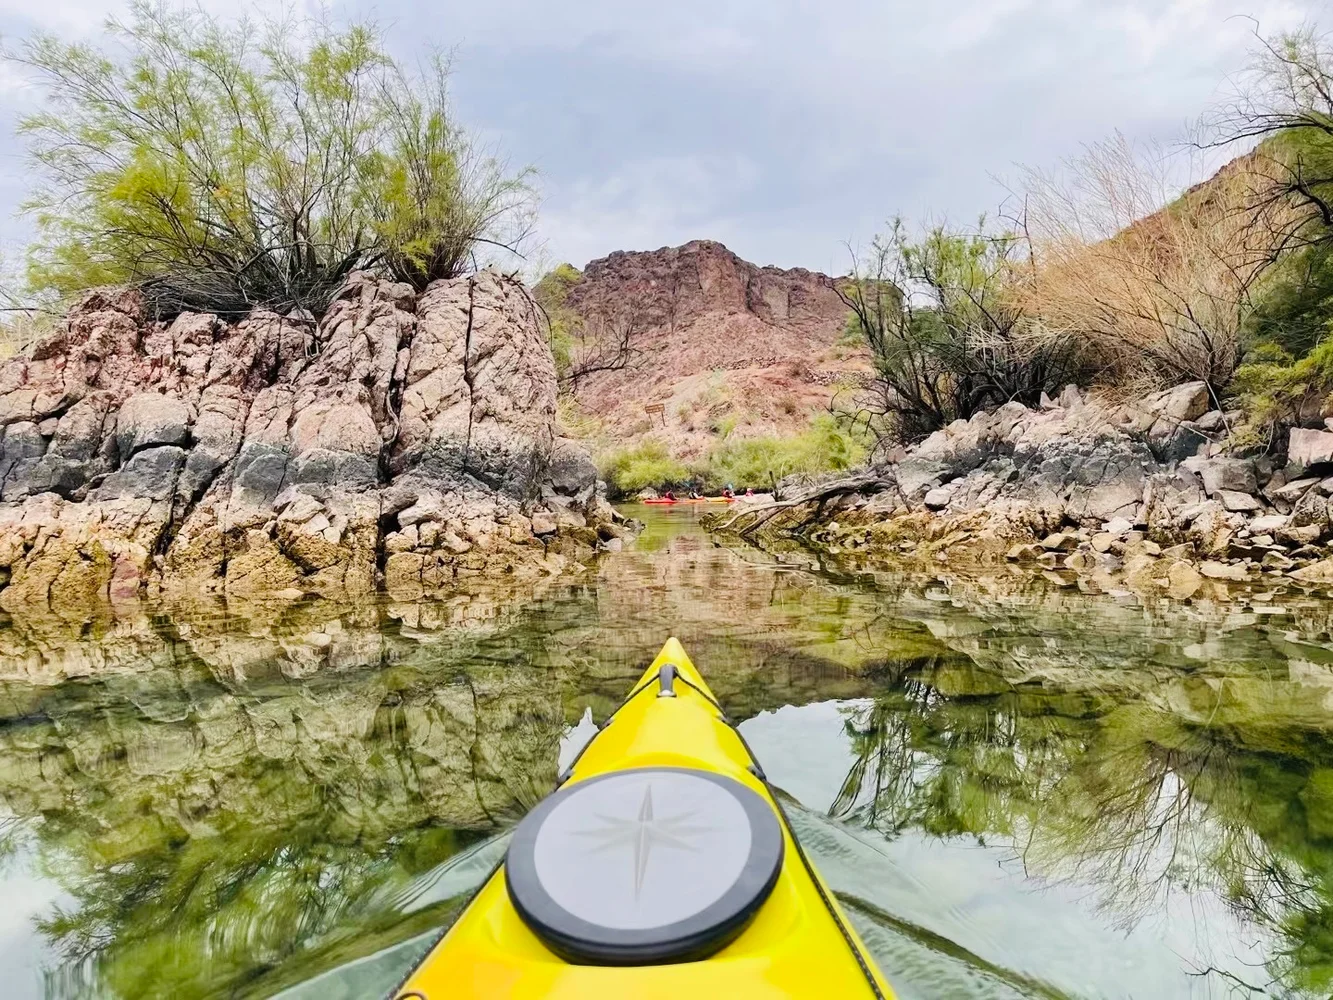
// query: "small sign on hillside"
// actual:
[[656, 410]]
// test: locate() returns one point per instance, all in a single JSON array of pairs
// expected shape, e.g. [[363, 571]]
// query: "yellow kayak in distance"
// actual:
[[662, 867]]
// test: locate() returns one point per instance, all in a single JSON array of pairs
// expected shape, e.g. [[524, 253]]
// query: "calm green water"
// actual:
[[1017, 791]]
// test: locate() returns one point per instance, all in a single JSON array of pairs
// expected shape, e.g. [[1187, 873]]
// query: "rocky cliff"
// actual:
[[401, 440], [717, 338], [679, 288]]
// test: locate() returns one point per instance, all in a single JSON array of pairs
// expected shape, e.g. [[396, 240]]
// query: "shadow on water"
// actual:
[[1018, 791]]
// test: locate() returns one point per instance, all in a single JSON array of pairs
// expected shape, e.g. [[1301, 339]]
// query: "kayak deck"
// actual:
[[799, 943]]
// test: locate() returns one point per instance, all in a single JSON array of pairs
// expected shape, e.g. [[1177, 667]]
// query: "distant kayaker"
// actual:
[[749, 492], [694, 495], [668, 495], [729, 492]]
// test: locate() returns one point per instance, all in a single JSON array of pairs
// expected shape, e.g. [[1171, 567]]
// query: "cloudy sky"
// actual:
[[783, 128]]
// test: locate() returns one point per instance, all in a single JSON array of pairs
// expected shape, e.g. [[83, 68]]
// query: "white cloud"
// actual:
[[82, 18], [645, 204], [787, 126]]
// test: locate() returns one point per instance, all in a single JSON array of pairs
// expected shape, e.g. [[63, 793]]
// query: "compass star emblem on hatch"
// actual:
[[645, 832]]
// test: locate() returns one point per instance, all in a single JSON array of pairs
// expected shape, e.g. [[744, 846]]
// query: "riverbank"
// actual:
[[1144, 497]]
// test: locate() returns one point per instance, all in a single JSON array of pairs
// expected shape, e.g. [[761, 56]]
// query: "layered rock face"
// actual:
[[1142, 496], [716, 338], [401, 439], [676, 287]]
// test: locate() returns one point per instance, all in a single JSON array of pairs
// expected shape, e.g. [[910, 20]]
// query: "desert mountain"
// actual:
[[726, 348]]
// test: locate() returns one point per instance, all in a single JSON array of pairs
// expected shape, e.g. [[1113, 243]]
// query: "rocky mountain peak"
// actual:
[[676, 287], [720, 342]]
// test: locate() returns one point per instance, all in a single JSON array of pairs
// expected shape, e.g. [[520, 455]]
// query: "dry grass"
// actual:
[[19, 331], [1162, 292]]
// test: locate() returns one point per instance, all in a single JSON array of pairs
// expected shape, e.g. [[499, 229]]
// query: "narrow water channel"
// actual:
[[1017, 791]]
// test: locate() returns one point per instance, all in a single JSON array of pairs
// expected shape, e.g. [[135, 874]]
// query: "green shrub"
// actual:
[[1276, 391], [227, 165], [852, 334], [944, 317], [723, 426], [551, 293], [647, 464], [827, 446]]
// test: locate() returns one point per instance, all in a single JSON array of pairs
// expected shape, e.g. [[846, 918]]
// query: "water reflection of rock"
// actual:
[[251, 784], [361, 701], [239, 786], [1144, 747]]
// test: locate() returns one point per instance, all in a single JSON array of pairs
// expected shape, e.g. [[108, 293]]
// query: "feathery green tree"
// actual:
[[227, 165]]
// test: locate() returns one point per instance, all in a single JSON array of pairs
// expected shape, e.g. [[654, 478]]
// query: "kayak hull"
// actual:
[[798, 944], [692, 500]]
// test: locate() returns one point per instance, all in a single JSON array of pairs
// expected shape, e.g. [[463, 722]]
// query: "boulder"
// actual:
[[1269, 522], [1233, 474], [1103, 541], [1183, 580], [1188, 401], [1060, 541], [1300, 535], [1080, 562], [1306, 448], [1311, 509], [1212, 528], [1235, 501], [1316, 572], [917, 474], [1223, 571], [1277, 562], [570, 468], [544, 523], [939, 497], [1117, 526], [1293, 490]]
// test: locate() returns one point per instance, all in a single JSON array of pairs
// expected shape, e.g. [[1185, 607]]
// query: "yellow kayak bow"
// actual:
[[662, 867]]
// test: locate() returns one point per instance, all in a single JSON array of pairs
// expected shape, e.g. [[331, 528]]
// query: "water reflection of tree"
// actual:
[[1135, 800], [229, 917]]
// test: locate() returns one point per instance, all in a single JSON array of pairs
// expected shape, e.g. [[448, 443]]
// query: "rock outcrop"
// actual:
[[401, 440], [717, 339], [1143, 496], [677, 287]]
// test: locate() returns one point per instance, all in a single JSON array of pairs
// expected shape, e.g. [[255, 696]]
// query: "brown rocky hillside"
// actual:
[[727, 347]]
